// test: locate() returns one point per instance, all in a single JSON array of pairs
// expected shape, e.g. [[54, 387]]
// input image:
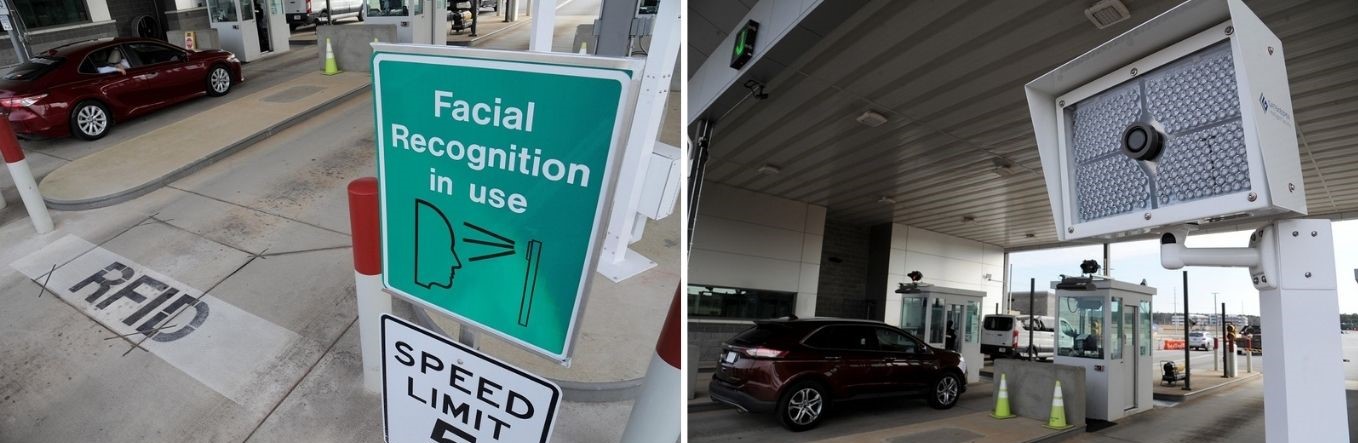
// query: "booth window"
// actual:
[[44, 13], [1145, 310], [912, 315], [222, 11], [936, 322], [1119, 329], [396, 8], [1084, 336], [706, 301], [972, 326]]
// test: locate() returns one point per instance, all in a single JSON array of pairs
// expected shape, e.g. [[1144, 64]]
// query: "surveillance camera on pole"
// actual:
[[1186, 120]]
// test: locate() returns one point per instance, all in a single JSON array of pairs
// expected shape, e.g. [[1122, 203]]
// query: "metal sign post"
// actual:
[[496, 172]]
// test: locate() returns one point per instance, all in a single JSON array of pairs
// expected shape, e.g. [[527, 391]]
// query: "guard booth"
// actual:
[[947, 318], [416, 21], [251, 29], [1105, 327]]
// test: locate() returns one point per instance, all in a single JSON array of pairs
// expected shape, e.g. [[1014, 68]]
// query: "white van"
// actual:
[[310, 12], [1005, 335]]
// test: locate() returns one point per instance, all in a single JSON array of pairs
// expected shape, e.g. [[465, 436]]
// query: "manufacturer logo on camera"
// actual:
[[1272, 108]]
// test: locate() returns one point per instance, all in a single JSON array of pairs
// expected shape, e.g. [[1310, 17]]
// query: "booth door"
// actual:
[[1131, 336], [235, 25], [1125, 341]]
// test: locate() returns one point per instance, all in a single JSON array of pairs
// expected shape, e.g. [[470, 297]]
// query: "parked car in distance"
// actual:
[[82, 89], [800, 368], [1200, 340], [310, 12], [1004, 335]]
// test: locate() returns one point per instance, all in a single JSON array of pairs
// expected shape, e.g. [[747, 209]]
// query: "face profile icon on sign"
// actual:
[[436, 261]]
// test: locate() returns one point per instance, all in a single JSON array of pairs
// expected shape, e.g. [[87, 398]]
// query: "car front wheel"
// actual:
[[218, 81], [802, 406], [946, 390], [90, 120]]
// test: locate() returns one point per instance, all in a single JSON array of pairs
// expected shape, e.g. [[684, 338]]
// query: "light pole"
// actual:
[[1214, 307]]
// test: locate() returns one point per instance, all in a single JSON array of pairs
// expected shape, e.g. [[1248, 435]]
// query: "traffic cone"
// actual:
[[330, 67], [1002, 402], [1058, 417]]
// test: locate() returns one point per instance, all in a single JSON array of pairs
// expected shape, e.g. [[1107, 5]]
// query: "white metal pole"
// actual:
[[655, 415], [1293, 266], [646, 122], [543, 26], [1304, 376], [372, 303]]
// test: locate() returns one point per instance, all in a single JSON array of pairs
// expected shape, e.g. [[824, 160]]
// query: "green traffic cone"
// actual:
[[330, 67], [1002, 401], [1058, 416]]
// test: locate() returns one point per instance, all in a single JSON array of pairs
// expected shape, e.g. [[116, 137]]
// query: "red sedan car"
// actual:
[[81, 89]]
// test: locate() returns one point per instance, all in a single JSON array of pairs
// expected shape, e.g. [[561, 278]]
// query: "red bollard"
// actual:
[[655, 415], [23, 179], [366, 230]]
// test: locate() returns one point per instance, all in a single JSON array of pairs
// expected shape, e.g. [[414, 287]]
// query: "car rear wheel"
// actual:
[[90, 120], [945, 392], [802, 406], [218, 81]]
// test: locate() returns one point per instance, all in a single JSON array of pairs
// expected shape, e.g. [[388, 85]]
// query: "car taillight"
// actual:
[[308, 6], [1015, 345], [764, 353], [20, 102]]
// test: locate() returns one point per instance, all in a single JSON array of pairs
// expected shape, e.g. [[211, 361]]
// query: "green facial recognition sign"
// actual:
[[495, 172]]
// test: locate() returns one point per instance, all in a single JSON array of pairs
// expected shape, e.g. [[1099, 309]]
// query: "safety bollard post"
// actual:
[[655, 415], [365, 228], [23, 179]]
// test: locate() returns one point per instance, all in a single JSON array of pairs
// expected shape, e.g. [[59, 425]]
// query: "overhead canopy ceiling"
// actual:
[[949, 77]]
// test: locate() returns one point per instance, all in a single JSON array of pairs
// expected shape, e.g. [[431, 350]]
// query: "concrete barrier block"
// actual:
[[352, 44], [1030, 388]]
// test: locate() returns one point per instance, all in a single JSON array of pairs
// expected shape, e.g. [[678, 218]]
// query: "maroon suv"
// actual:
[[799, 367]]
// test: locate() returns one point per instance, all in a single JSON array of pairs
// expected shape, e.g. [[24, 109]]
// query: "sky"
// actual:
[[1133, 261]]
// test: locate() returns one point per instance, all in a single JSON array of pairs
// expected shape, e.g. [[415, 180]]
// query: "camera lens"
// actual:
[[1142, 141], [1136, 140]]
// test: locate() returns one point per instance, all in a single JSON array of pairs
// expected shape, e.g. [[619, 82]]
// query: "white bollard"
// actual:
[[23, 179], [372, 302]]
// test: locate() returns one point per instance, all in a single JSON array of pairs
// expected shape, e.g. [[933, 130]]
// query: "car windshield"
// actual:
[[1195, 334], [34, 69]]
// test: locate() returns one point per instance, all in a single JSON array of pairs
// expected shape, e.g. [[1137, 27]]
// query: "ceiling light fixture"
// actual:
[[1003, 167], [768, 169], [1107, 13], [871, 119]]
